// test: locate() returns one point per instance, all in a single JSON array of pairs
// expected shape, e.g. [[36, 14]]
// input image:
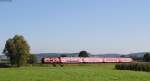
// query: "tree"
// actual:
[[17, 50], [146, 57], [83, 54], [32, 59]]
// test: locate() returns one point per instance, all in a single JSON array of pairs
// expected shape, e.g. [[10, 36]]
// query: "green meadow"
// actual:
[[74, 72]]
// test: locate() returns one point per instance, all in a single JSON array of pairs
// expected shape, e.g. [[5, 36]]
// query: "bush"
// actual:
[[133, 66]]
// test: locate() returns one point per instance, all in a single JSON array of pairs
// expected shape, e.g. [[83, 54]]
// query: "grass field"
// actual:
[[88, 72]]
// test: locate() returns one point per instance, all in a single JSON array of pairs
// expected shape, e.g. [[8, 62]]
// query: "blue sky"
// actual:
[[98, 26]]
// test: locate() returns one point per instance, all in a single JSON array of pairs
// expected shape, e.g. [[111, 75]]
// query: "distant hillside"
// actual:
[[136, 56], [106, 55], [141, 54], [3, 57]]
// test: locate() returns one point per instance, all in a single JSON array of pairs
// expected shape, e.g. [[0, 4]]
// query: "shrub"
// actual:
[[133, 66]]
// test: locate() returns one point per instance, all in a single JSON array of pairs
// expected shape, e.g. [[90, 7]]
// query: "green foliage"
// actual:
[[17, 50], [146, 57], [133, 66], [32, 59], [83, 54]]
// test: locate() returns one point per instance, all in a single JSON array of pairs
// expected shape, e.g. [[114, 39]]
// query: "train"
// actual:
[[49, 60]]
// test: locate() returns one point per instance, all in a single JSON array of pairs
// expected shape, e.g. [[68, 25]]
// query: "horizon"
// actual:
[[64, 26]]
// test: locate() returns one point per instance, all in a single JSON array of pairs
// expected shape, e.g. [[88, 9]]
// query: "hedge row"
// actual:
[[134, 66]]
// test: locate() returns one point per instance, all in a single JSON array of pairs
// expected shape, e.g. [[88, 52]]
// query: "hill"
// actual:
[[139, 55]]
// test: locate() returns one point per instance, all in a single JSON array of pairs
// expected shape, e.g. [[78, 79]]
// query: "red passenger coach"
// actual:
[[85, 60]]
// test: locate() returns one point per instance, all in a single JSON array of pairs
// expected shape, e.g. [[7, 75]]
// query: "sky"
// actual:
[[67, 26]]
